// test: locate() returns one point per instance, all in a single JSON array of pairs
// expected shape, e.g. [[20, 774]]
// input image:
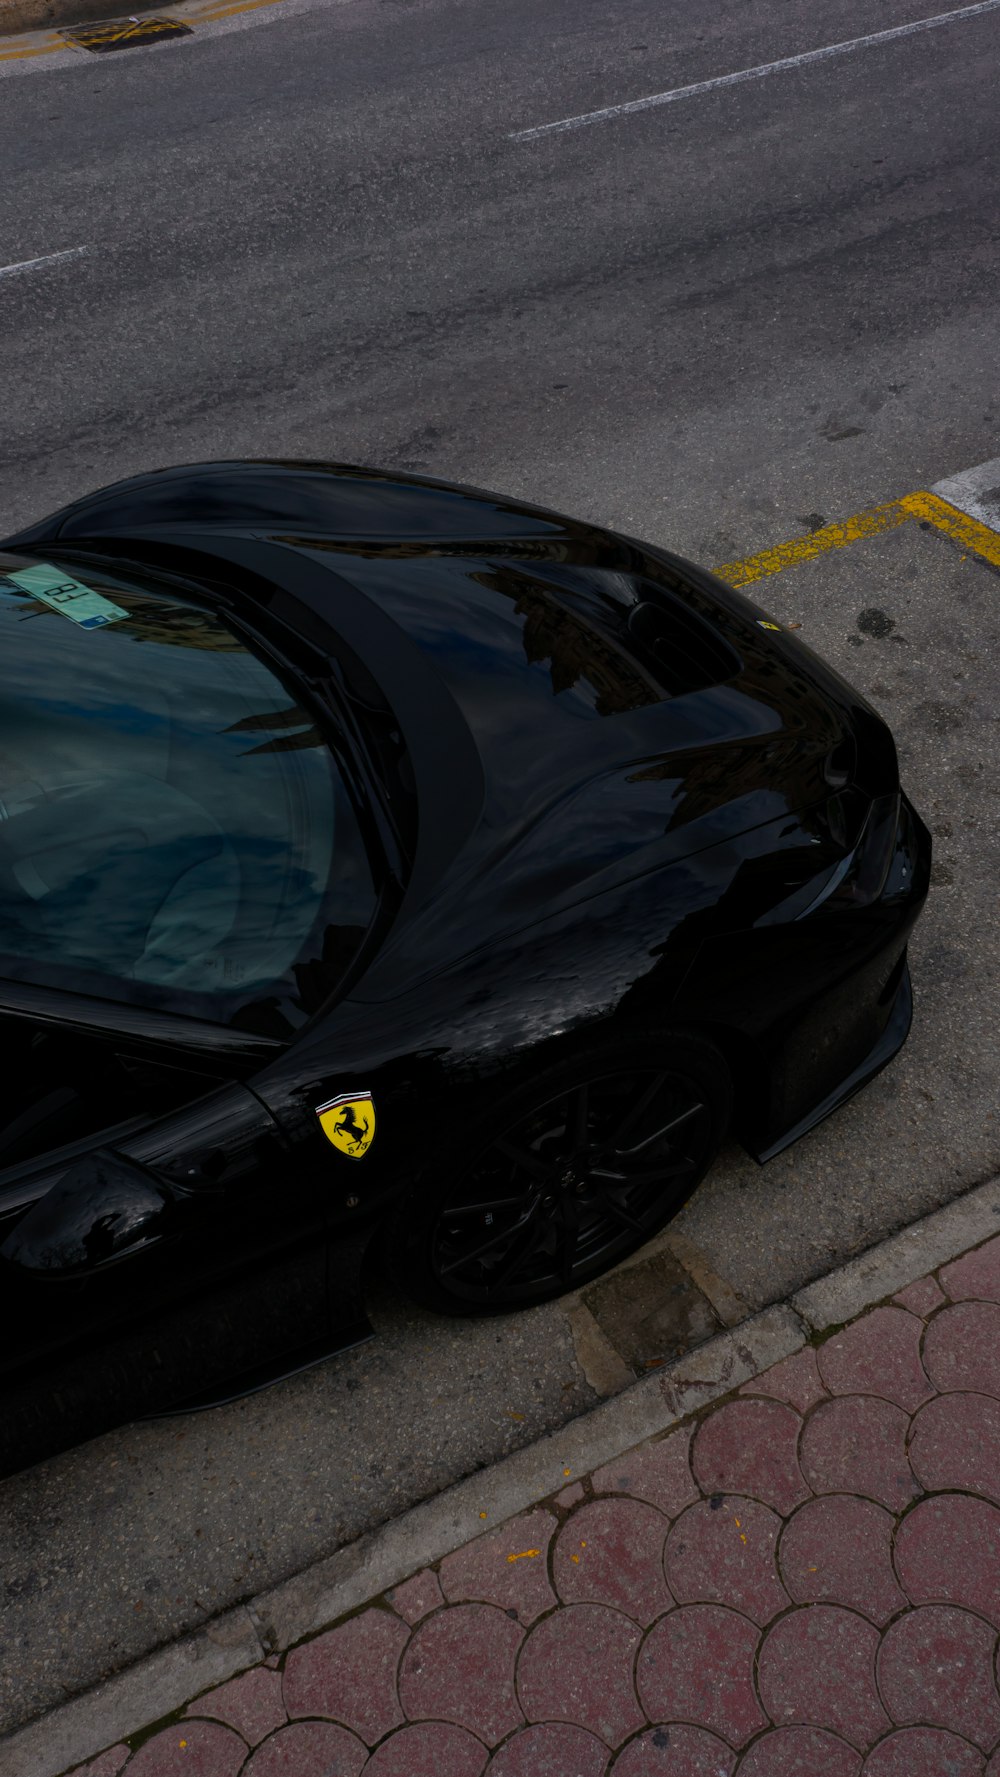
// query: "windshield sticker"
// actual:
[[59, 590]]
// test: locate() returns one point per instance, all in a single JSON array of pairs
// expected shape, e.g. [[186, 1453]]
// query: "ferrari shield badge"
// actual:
[[348, 1121]]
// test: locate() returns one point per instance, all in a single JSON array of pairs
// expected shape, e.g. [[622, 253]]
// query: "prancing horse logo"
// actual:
[[348, 1121]]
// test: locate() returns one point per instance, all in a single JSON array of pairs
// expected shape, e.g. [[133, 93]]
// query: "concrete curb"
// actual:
[[311, 1600]]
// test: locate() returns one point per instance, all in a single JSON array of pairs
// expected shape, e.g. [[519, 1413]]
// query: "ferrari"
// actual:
[[392, 872]]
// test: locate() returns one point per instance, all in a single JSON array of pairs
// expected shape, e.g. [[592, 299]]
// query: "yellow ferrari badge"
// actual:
[[348, 1121]]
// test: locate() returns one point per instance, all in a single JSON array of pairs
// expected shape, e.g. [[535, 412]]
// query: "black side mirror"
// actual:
[[102, 1209]]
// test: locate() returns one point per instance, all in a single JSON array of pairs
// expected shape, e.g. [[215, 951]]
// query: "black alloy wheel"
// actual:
[[564, 1189]]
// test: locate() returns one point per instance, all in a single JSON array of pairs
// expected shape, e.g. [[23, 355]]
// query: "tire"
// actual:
[[559, 1179]]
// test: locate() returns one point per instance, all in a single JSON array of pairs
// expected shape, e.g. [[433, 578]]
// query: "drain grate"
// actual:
[[124, 33]]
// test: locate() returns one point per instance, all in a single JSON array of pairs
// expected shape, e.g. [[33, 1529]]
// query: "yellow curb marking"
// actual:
[[189, 18], [524, 1555], [924, 507]]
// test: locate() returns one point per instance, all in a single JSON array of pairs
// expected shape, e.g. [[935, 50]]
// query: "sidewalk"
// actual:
[[800, 1577]]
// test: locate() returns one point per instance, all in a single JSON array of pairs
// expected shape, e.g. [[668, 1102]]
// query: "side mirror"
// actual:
[[102, 1209]]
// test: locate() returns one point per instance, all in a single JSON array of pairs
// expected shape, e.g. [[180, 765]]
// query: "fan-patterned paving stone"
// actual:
[[611, 1552], [878, 1354], [251, 1704], [428, 1749], [955, 1445], [921, 1298], [417, 1596], [658, 1472], [674, 1750], [857, 1444], [800, 1752], [349, 1675], [722, 1551], [309, 1749], [507, 1567], [750, 1446], [936, 1666], [459, 1667], [923, 1752], [817, 1668], [552, 1749], [948, 1552], [190, 1749], [838, 1550], [795, 1380], [962, 1348], [577, 1666], [975, 1276], [106, 1764], [697, 1666]]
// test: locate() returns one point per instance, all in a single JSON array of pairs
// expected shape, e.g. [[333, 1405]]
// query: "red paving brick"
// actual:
[[673, 1750], [251, 1704], [459, 1667], [962, 1348], [796, 1380], [659, 1472], [190, 1749], [429, 1749], [975, 1274], [857, 1444], [722, 1551], [936, 1665], [697, 1666], [948, 1552], [838, 1550], [417, 1597], [577, 1666], [817, 1669], [922, 1297], [349, 1674], [956, 1445], [309, 1749], [611, 1552], [750, 1447], [800, 1752], [806, 1613], [484, 1569], [878, 1354], [552, 1749], [924, 1752]]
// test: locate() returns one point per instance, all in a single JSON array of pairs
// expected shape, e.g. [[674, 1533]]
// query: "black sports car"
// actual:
[[382, 861]]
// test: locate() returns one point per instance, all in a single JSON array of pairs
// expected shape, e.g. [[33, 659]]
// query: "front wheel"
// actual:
[[561, 1179]]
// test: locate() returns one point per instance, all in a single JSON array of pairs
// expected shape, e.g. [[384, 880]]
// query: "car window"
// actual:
[[173, 826]]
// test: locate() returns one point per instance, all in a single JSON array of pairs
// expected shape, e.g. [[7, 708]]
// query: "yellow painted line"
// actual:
[[967, 532], [225, 12], [20, 55], [832, 536], [926, 508]]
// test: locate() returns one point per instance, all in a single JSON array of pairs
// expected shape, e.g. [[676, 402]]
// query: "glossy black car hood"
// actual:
[[605, 748]]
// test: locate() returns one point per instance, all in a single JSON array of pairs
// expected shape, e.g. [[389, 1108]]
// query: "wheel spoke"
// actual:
[[475, 1209], [674, 1170], [649, 1140], [570, 1226], [531, 1233], [522, 1157], [578, 1127], [487, 1246], [620, 1213], [641, 1106]]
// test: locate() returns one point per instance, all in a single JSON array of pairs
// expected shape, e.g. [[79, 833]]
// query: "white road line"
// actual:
[[975, 492], [801, 61], [25, 265]]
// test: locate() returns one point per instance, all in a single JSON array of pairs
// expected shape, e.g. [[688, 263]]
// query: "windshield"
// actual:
[[173, 827]]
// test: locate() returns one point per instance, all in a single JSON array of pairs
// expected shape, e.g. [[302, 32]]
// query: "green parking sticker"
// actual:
[[77, 602]]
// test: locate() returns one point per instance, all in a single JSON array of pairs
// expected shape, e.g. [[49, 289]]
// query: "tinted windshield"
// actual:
[[173, 826]]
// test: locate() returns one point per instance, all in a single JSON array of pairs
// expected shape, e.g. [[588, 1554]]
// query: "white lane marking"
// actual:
[[975, 492], [25, 265], [758, 73]]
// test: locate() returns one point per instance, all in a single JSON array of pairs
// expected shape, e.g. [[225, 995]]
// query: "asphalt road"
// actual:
[[711, 323]]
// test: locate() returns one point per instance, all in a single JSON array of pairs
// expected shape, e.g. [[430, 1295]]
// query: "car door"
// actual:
[[182, 873]]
